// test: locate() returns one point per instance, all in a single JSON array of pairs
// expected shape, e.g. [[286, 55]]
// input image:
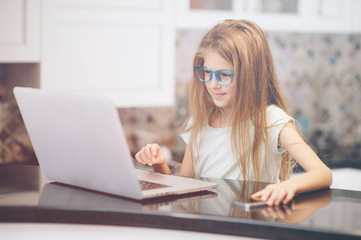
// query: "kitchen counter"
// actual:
[[27, 197]]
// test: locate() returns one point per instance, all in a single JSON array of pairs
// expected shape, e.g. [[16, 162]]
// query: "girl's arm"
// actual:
[[317, 175], [186, 169]]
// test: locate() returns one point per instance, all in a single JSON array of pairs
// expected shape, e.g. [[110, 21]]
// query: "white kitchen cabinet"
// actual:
[[19, 31], [356, 15], [339, 16], [123, 49]]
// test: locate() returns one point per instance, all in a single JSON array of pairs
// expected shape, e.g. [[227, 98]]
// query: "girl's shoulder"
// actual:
[[275, 114], [277, 118], [274, 108]]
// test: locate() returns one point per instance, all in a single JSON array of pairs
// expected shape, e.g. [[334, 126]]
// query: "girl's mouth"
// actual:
[[218, 95]]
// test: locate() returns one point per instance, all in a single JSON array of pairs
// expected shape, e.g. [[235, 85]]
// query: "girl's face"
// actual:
[[222, 95]]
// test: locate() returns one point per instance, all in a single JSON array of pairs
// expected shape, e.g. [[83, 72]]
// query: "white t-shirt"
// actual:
[[216, 158]]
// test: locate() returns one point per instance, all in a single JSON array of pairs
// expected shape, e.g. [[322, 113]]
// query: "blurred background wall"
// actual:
[[319, 72]]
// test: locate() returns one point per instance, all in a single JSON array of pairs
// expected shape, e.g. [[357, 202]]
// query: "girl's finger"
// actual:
[[147, 152], [266, 194], [257, 195], [272, 197], [145, 158], [280, 197], [288, 197], [137, 157], [154, 150]]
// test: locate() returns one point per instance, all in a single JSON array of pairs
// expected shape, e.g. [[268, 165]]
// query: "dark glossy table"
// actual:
[[26, 196]]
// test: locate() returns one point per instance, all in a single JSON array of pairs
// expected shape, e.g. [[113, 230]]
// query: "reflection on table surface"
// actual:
[[217, 202], [328, 209]]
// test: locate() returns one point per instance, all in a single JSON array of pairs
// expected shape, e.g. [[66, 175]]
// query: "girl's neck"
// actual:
[[220, 118]]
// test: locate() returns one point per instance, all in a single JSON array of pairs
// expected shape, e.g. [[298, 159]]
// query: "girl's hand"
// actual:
[[274, 194], [150, 155]]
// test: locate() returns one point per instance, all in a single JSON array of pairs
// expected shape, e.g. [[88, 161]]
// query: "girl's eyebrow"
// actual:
[[224, 69]]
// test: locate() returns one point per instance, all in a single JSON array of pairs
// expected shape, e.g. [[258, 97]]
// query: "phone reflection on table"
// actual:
[[229, 191]]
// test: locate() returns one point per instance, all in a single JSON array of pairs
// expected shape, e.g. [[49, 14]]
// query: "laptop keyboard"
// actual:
[[145, 185]]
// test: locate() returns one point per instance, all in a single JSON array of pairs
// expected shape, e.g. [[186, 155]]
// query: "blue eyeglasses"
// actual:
[[224, 77]]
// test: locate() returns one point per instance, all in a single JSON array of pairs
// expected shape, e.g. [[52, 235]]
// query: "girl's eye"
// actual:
[[207, 73], [223, 74]]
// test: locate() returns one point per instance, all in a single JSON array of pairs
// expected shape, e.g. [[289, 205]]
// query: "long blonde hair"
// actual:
[[243, 44]]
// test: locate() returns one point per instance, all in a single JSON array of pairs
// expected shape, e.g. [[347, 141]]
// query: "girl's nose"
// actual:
[[214, 83]]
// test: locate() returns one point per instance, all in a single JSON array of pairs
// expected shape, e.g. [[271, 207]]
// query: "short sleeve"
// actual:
[[186, 136], [276, 120]]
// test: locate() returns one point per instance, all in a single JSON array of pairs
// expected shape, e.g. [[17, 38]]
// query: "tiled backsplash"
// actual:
[[321, 77], [319, 73], [15, 145]]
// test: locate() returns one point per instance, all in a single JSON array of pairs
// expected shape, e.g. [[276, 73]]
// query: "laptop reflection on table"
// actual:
[[61, 195]]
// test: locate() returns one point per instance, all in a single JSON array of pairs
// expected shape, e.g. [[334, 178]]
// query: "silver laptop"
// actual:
[[79, 140]]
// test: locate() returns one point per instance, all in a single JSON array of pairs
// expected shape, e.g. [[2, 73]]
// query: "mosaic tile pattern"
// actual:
[[15, 145], [320, 75], [324, 71], [148, 125]]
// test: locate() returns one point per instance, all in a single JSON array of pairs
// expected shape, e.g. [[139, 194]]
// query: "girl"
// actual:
[[238, 125]]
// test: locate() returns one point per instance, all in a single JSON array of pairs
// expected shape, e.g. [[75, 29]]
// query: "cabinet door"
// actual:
[[19, 30], [122, 49], [273, 15], [356, 16]]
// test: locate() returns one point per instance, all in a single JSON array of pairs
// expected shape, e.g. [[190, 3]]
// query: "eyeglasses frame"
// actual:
[[215, 73]]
